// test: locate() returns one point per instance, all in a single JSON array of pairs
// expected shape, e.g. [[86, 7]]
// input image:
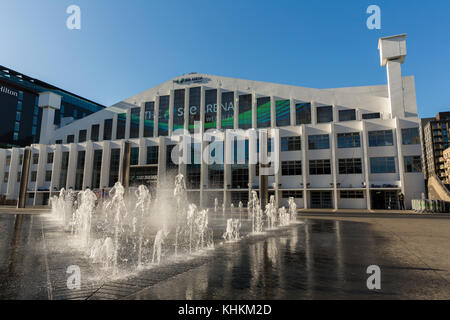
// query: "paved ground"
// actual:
[[324, 258]]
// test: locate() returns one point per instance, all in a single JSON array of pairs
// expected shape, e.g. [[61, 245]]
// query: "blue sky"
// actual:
[[126, 47]]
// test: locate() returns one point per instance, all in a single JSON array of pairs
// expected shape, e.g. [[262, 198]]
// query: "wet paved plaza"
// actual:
[[323, 258]]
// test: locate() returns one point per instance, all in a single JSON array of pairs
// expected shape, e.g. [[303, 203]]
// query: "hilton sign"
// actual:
[[8, 91]]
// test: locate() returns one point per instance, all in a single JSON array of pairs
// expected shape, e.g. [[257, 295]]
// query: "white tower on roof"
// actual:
[[392, 55]]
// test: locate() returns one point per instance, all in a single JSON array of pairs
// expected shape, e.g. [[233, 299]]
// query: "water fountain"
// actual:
[[241, 206], [292, 210], [216, 205], [283, 217], [256, 213], [232, 232], [271, 213], [143, 209], [129, 232]]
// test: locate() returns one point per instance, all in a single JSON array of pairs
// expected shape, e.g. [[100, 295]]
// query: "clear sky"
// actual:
[[126, 47]]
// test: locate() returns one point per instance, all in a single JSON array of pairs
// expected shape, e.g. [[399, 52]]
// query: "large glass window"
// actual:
[[320, 141], [149, 118], [210, 109], [319, 167], [152, 154], [35, 158], [410, 136], [70, 138], [263, 112], [347, 115], [373, 115], [413, 164], [283, 113], [50, 157], [80, 170], [194, 108], [48, 175], [134, 156], [239, 177], [350, 166], [291, 168], [382, 165], [114, 164], [64, 166], [135, 122], [121, 125], [245, 111], [227, 112], [324, 114], [96, 168], [82, 135], [215, 176], [293, 143], [95, 129], [348, 140], [297, 194], [163, 116], [178, 109], [380, 138], [302, 113], [107, 129], [351, 194]]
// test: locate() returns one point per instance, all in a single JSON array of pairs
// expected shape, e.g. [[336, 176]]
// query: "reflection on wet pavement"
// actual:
[[320, 259]]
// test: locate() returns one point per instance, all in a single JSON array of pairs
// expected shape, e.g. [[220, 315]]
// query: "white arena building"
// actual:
[[344, 148]]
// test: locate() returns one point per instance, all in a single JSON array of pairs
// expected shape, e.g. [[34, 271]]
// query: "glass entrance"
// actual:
[[321, 199]]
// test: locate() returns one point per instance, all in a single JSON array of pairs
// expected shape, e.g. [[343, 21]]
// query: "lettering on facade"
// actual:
[[6, 90], [190, 80]]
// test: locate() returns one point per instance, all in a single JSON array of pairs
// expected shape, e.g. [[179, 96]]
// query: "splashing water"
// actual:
[[292, 210], [232, 232], [271, 213]]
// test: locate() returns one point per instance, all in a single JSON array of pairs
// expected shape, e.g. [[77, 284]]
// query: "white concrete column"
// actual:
[[293, 112], [156, 117], [72, 167], [219, 108], [398, 146], [142, 152], [366, 161], [305, 165], [128, 123], [101, 130], [56, 168], [162, 159], [334, 164], [313, 113], [88, 165], [14, 167], [141, 120], [236, 109], [106, 159], [273, 113], [49, 102], [114, 127], [171, 111], [254, 112]]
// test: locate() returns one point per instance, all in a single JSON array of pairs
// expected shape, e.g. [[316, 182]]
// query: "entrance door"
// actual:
[[321, 199], [384, 200]]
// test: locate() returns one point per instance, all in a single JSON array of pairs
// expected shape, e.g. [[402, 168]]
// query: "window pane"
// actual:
[[121, 124], [381, 138], [348, 140], [263, 112], [324, 114], [227, 111], [283, 113], [347, 115], [410, 136], [163, 116], [210, 109], [382, 165], [245, 111], [194, 108], [149, 118], [303, 113], [178, 109], [134, 122], [321, 141]]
